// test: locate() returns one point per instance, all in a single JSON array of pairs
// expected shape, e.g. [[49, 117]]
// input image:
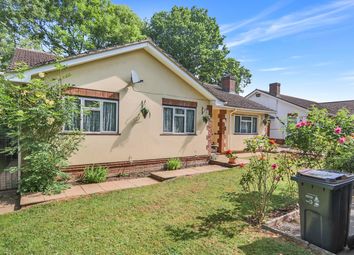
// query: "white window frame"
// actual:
[[251, 121], [100, 109], [178, 114]]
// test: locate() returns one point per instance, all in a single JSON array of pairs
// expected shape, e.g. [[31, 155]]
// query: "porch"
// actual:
[[230, 127]]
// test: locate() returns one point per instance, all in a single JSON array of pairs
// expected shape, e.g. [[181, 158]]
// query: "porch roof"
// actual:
[[235, 100]]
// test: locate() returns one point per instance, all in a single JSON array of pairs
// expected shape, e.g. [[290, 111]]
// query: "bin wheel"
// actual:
[[350, 242]]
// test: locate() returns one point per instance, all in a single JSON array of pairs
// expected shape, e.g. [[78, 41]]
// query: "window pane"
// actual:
[[91, 121], [237, 124], [179, 124], [92, 104], [190, 121], [246, 127], [167, 119], [109, 116], [247, 118], [254, 125], [74, 123], [179, 111]]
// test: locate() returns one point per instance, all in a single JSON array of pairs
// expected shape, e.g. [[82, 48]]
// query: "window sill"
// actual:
[[168, 134], [245, 133], [70, 133]]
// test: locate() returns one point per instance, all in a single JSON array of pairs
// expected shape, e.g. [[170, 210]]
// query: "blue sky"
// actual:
[[307, 46]]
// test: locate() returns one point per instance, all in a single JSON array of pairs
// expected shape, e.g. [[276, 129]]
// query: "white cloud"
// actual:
[[227, 28], [295, 23], [349, 76], [273, 69], [296, 57]]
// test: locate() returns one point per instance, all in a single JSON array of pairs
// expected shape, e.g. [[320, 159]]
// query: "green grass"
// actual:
[[193, 215]]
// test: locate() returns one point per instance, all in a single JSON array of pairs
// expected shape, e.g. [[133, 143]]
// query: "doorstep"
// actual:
[[171, 174]]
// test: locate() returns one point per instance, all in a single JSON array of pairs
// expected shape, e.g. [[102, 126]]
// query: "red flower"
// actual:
[[272, 142], [338, 130], [274, 166], [228, 152], [341, 140]]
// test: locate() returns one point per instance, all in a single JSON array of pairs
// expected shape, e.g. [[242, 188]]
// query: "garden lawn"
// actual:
[[192, 215]]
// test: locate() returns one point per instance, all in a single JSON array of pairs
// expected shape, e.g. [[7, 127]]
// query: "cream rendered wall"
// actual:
[[277, 128], [139, 138], [236, 141]]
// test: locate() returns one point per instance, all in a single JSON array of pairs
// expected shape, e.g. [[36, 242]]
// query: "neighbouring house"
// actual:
[[113, 83], [290, 109]]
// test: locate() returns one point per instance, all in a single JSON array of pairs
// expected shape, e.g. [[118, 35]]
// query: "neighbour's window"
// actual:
[[246, 124], [292, 118], [178, 120], [95, 116]]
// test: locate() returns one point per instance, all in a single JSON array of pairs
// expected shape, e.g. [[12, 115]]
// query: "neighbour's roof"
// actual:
[[30, 57], [334, 107], [304, 103], [234, 100]]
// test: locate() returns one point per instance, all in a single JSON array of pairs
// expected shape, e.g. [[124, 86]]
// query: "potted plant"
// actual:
[[231, 155], [144, 110]]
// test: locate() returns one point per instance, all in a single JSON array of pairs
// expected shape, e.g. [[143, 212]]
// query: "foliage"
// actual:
[[202, 214], [34, 115], [230, 154], [95, 174], [194, 40], [173, 164], [70, 27], [261, 176], [324, 141]]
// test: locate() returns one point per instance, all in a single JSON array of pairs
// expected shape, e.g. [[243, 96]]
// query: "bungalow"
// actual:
[[186, 117], [290, 109]]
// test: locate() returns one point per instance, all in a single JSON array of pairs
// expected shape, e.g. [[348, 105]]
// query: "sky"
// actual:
[[307, 46]]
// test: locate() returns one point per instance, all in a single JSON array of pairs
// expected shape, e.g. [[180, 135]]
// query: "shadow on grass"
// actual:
[[226, 222], [271, 246]]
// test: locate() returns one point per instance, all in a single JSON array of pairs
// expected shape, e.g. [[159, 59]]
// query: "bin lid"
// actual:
[[329, 176], [325, 178]]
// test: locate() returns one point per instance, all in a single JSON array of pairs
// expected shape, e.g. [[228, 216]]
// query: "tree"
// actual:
[[194, 40], [70, 26], [33, 116]]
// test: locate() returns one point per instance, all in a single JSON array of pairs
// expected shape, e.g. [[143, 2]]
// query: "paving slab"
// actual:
[[54, 196], [75, 191], [165, 175], [30, 199], [140, 182], [92, 188]]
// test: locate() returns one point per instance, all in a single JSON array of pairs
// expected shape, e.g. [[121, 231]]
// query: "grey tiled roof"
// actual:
[[234, 100], [334, 107], [30, 57], [304, 103]]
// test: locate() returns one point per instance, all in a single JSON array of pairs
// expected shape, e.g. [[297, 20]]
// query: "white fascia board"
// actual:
[[109, 53], [75, 61], [277, 98]]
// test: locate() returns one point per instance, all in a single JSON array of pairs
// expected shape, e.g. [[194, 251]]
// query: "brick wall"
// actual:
[[137, 166]]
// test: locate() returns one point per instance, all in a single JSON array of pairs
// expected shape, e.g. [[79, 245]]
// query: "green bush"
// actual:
[[95, 174], [173, 164]]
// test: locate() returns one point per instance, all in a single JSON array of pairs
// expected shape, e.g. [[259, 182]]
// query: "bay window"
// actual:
[[246, 124], [95, 116], [178, 120]]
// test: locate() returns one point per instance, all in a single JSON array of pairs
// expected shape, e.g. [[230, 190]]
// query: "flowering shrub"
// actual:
[[323, 140], [34, 115], [230, 154], [261, 176]]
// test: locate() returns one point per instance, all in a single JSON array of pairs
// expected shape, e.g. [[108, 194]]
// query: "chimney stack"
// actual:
[[228, 84], [274, 89]]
